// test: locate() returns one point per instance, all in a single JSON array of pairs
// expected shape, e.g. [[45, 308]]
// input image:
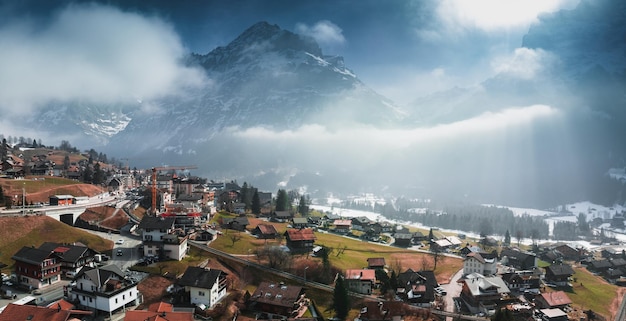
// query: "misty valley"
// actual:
[[281, 160]]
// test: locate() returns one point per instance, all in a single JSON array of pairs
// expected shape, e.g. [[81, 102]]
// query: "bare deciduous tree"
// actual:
[[235, 237]]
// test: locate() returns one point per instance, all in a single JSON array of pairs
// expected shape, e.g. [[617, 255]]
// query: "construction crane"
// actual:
[[154, 181], [127, 168]]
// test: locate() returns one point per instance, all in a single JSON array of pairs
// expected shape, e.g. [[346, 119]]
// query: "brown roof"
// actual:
[[557, 298], [301, 235], [267, 229], [376, 261], [477, 256], [277, 294]]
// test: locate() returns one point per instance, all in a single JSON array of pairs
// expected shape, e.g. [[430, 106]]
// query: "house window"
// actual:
[[90, 299], [123, 296], [115, 300], [201, 293]]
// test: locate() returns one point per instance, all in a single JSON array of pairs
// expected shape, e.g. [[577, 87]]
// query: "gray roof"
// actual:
[[479, 284], [67, 252], [241, 220], [300, 220], [101, 275], [200, 277], [31, 255], [561, 269], [153, 222]]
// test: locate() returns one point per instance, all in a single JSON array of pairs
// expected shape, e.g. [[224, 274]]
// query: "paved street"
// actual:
[[130, 248]]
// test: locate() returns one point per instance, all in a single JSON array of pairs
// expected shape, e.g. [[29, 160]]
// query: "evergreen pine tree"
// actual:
[[244, 195], [303, 208], [341, 303], [98, 175], [507, 238], [256, 203], [393, 281], [66, 162], [282, 201]]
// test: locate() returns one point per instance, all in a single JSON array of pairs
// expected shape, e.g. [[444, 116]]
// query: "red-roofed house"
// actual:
[[300, 240], [361, 280], [159, 311], [550, 300]]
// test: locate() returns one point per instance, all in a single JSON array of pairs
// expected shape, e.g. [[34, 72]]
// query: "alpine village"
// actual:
[[90, 238]]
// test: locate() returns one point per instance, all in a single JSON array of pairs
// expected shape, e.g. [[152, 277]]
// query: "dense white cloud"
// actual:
[[487, 123], [457, 16], [91, 53], [326, 33], [523, 63]]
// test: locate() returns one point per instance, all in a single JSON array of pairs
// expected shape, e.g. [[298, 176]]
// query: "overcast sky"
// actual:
[[105, 51]]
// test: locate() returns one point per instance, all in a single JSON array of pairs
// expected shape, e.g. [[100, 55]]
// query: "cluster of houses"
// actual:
[[96, 286], [513, 280], [510, 279], [100, 288]]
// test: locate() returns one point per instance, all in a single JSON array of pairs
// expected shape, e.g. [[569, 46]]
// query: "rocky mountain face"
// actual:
[[266, 77], [274, 80]]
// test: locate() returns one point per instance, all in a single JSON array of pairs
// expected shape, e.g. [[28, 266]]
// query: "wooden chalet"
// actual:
[[300, 240]]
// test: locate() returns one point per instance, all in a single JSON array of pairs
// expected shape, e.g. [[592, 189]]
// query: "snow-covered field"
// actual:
[[589, 209]]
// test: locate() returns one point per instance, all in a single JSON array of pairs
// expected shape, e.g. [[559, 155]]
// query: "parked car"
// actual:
[[120, 241], [441, 291], [119, 252]]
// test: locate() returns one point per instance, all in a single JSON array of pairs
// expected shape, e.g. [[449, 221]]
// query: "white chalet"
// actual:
[[205, 286], [158, 238], [476, 263], [104, 288]]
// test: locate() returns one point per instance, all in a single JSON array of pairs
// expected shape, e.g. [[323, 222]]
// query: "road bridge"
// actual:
[[62, 213]]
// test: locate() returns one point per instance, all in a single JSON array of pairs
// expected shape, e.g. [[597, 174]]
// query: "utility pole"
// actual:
[[24, 198], [305, 268]]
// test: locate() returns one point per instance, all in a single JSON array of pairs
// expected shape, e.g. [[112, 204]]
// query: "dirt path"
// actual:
[[615, 305]]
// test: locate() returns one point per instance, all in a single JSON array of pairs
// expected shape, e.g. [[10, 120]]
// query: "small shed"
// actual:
[[60, 200]]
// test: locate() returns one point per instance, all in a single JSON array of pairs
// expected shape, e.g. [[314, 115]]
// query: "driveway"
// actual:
[[454, 290]]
